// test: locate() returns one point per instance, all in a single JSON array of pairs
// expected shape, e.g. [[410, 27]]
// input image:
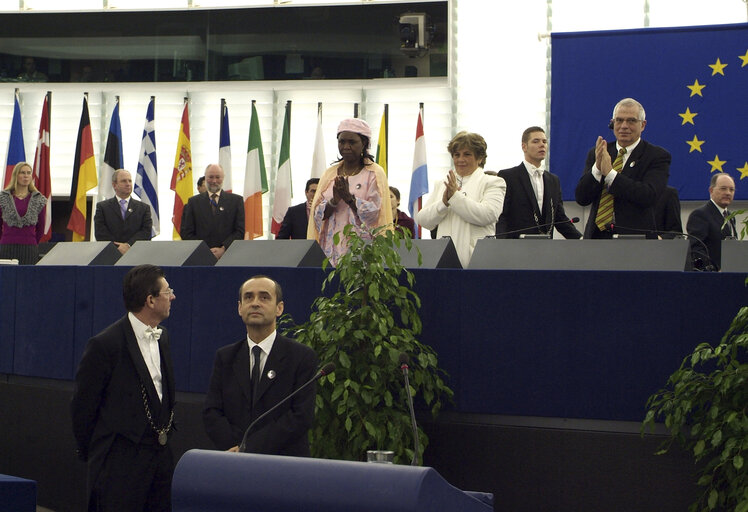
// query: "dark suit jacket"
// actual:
[[635, 190], [228, 409], [705, 223], [667, 213], [521, 208], [294, 223], [109, 225], [107, 399], [227, 225]]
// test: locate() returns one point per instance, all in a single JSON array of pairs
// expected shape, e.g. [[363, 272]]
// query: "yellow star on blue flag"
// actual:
[[716, 164], [695, 144]]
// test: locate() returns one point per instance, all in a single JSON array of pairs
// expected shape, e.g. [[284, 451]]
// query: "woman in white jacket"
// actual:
[[467, 205]]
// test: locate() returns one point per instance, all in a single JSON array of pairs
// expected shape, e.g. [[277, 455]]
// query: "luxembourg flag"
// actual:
[[419, 180], [224, 147], [16, 151]]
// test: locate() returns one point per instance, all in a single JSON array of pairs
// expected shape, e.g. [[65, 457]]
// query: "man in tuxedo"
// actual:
[[215, 216], [623, 179], [533, 201], [297, 217], [706, 224], [123, 402], [256, 373], [121, 219]]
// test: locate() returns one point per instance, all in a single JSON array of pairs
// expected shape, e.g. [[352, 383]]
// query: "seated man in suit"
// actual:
[[295, 222], [706, 224], [237, 395], [215, 216], [623, 179], [533, 201], [122, 219]]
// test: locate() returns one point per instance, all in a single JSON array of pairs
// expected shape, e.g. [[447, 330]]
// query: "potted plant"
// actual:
[[705, 410], [363, 326]]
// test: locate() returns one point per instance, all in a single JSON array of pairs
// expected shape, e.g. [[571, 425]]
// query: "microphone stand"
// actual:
[[327, 369], [416, 445]]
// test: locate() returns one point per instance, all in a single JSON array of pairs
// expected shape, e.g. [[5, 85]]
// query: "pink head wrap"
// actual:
[[356, 126]]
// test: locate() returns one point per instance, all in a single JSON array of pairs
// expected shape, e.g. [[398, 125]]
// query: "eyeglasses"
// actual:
[[169, 292], [628, 120]]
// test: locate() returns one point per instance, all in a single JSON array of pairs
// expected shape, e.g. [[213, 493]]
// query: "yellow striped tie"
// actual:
[[605, 208]]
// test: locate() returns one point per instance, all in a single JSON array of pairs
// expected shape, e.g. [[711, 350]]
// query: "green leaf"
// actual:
[[345, 361], [742, 506], [713, 496], [348, 424], [717, 438], [737, 461], [698, 447]]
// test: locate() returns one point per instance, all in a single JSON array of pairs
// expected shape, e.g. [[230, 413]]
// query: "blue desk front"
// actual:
[[527, 343]]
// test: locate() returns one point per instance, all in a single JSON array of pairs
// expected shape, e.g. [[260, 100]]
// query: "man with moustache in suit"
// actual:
[[254, 374], [123, 402], [708, 223], [122, 219], [215, 216], [533, 201], [623, 179]]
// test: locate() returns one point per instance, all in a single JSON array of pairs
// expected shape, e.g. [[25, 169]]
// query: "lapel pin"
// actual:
[[271, 374], [129, 210], [632, 164], [220, 208]]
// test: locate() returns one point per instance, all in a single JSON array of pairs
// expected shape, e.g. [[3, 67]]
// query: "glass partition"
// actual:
[[269, 43]]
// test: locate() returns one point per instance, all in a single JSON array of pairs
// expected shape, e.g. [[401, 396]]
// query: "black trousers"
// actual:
[[134, 477]]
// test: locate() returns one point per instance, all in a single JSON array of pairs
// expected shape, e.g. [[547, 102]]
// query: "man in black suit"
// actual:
[[215, 216], [122, 219], [123, 402], [297, 217], [626, 177], [237, 396], [706, 224], [667, 214], [533, 201]]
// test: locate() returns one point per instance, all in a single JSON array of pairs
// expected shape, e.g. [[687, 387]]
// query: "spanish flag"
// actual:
[[181, 177], [84, 176]]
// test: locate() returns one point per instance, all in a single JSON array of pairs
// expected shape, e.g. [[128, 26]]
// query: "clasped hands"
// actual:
[[602, 157], [340, 192], [451, 187]]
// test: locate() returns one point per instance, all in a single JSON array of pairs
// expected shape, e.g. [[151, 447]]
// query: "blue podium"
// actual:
[[17, 494], [212, 481]]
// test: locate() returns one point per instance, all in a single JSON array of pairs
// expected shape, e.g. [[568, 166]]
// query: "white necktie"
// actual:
[[537, 185]]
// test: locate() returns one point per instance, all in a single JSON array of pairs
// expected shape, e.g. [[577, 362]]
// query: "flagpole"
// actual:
[[420, 198], [355, 110]]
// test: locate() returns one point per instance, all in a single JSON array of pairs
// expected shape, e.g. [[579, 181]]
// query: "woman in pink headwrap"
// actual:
[[353, 191]]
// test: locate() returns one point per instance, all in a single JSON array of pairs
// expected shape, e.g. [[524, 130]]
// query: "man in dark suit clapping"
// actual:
[[623, 179], [297, 217], [254, 374], [533, 195], [122, 219], [123, 402]]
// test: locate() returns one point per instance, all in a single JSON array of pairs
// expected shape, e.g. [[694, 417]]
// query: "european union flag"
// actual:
[[692, 82]]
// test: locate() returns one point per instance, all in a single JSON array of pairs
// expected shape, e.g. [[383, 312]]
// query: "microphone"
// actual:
[[707, 267], [325, 370], [404, 360], [573, 220]]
